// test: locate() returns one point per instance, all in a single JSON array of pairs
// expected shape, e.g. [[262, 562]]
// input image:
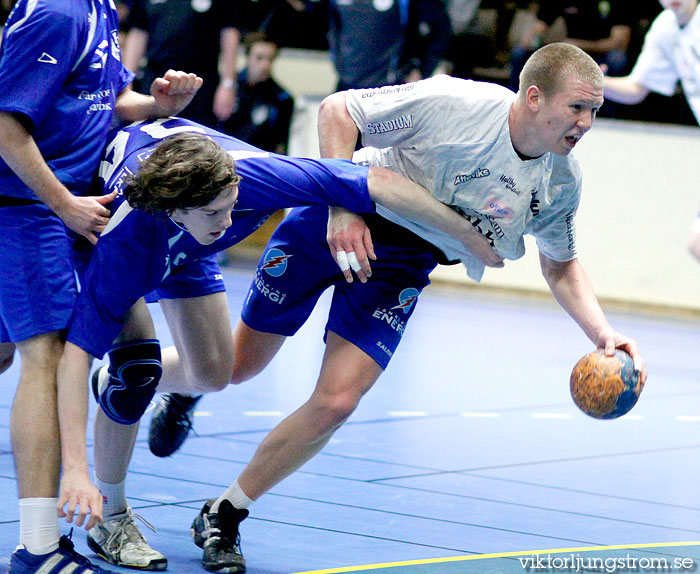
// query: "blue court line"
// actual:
[[498, 555]]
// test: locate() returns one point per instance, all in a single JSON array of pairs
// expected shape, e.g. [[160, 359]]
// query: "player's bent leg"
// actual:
[[7, 356], [201, 361], [134, 371], [203, 357], [253, 350], [346, 375]]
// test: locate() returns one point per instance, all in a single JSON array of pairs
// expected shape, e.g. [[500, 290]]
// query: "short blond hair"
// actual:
[[552, 64]]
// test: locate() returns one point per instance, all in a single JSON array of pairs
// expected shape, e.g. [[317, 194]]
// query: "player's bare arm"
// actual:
[[624, 90], [169, 96], [78, 497], [571, 287], [84, 215]]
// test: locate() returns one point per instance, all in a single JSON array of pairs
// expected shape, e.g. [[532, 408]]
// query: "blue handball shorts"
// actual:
[[38, 287], [195, 278], [297, 267]]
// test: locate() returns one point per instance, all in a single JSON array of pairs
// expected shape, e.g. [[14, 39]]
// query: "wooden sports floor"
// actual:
[[467, 457]]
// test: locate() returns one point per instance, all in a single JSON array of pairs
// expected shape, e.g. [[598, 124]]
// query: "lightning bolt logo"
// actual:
[[275, 262], [407, 298]]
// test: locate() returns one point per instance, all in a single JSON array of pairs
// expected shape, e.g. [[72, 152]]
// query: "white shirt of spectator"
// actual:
[[671, 53]]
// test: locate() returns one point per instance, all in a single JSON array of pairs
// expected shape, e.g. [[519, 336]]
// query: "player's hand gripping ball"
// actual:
[[605, 387]]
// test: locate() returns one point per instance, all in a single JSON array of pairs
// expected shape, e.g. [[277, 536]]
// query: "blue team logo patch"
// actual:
[[275, 262], [407, 298]]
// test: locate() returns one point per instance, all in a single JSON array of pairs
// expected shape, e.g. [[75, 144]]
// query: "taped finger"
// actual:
[[342, 259], [354, 263]]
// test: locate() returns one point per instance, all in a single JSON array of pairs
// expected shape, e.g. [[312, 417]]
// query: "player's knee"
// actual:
[[336, 408], [134, 371], [245, 368], [211, 374]]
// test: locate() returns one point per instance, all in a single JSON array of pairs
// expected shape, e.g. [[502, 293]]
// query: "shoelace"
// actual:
[[178, 413], [66, 543], [133, 535]]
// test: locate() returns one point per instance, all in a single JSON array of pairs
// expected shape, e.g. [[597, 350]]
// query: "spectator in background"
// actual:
[[602, 28], [670, 54], [694, 239], [197, 35], [382, 42], [264, 111]]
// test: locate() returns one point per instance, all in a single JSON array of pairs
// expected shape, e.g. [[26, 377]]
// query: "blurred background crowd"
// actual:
[[232, 44]]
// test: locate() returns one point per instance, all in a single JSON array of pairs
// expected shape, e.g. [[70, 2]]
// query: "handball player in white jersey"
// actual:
[[501, 159]]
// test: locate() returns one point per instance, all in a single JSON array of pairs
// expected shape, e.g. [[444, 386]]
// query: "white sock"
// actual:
[[38, 525], [235, 495], [114, 497]]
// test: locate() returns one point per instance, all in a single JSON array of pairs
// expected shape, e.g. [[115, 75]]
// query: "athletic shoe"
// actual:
[[217, 534], [171, 423], [118, 541], [63, 559]]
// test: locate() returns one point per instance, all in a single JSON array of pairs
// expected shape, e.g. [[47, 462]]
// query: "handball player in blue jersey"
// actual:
[[184, 192], [502, 159], [62, 81]]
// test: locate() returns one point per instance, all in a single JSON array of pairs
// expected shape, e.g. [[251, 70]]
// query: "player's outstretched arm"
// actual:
[[169, 96], [77, 491], [416, 203], [571, 287], [624, 89]]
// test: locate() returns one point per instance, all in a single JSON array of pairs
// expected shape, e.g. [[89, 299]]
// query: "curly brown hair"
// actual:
[[185, 171]]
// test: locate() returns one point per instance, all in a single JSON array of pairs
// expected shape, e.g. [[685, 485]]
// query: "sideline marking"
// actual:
[[498, 555]]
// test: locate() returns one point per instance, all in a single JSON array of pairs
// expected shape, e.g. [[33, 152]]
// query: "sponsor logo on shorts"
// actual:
[[401, 123], [384, 348], [267, 290], [393, 317], [275, 262], [476, 174], [407, 298]]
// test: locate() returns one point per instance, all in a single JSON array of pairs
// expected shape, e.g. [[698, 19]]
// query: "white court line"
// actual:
[[263, 413], [202, 413], [688, 418], [550, 416], [407, 413], [479, 415]]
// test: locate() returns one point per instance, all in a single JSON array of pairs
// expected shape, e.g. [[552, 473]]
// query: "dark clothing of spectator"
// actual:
[[378, 42], [185, 35], [263, 116]]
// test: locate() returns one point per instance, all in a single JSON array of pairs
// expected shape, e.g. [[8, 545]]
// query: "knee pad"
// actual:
[[134, 372]]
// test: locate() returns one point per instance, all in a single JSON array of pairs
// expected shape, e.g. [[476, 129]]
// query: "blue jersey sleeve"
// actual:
[[39, 50], [127, 263], [276, 182]]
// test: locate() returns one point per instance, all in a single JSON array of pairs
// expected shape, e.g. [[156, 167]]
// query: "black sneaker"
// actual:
[[217, 534], [171, 423]]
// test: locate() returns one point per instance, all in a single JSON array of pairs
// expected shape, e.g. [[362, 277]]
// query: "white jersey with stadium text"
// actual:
[[452, 137], [671, 53]]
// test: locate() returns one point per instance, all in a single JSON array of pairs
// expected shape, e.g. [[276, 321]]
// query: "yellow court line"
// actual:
[[498, 555]]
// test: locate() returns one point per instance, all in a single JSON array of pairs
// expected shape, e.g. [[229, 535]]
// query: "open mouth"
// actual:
[[573, 140], [218, 234]]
